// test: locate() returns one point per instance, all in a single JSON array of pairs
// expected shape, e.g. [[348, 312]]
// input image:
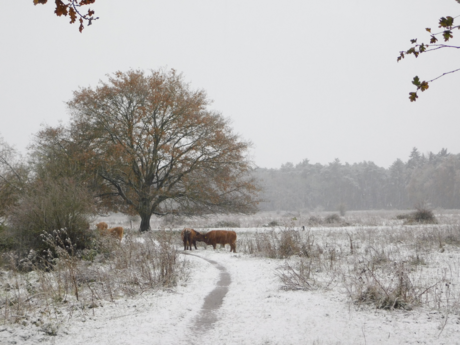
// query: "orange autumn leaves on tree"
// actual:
[[156, 147], [446, 24], [72, 9]]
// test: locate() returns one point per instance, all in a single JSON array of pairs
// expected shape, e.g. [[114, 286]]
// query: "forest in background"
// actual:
[[432, 178]]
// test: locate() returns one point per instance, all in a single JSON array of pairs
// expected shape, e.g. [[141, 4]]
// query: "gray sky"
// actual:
[[298, 78]]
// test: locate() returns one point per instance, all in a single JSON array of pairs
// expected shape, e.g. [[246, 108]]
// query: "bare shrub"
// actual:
[[288, 243], [273, 244], [47, 205], [265, 245], [281, 244], [423, 214], [332, 219], [373, 286], [297, 278], [313, 220], [303, 257]]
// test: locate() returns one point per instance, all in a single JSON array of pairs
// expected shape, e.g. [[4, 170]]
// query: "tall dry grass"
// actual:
[[67, 281], [388, 267]]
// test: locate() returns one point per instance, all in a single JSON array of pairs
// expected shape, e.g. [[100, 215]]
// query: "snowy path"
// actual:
[[253, 311], [213, 301]]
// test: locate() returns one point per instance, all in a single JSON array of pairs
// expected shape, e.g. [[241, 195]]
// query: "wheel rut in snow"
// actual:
[[213, 301]]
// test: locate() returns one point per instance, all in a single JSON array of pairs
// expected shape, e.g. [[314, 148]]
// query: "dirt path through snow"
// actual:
[[213, 301]]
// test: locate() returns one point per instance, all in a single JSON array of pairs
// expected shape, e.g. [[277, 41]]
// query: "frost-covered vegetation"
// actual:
[[385, 262], [47, 290]]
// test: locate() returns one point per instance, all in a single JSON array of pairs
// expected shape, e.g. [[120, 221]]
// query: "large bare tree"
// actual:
[[152, 141]]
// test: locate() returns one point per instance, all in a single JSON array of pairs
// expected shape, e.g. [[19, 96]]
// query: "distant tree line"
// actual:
[[432, 178]]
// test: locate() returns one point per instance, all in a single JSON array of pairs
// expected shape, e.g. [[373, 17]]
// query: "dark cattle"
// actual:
[[221, 237], [185, 235], [189, 237]]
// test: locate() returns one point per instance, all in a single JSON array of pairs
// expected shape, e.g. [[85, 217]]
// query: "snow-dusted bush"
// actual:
[[332, 219], [423, 214], [46, 205]]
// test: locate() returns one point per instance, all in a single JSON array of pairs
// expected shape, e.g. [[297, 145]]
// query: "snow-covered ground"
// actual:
[[255, 310]]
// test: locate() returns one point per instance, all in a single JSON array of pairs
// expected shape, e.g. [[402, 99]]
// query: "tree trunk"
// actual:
[[145, 221]]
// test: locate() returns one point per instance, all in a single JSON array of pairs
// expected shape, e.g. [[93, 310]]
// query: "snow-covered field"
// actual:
[[254, 311]]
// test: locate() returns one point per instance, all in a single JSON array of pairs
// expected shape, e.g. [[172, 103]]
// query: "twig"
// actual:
[[444, 325], [442, 75]]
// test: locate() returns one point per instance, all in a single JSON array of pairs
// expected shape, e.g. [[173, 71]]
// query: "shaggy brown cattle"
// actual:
[[189, 237], [102, 226], [221, 237], [116, 232]]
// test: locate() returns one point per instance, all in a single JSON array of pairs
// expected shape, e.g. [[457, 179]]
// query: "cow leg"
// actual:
[[188, 240], [194, 243]]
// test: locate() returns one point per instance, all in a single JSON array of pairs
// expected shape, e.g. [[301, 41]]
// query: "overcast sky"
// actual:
[[299, 78]]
